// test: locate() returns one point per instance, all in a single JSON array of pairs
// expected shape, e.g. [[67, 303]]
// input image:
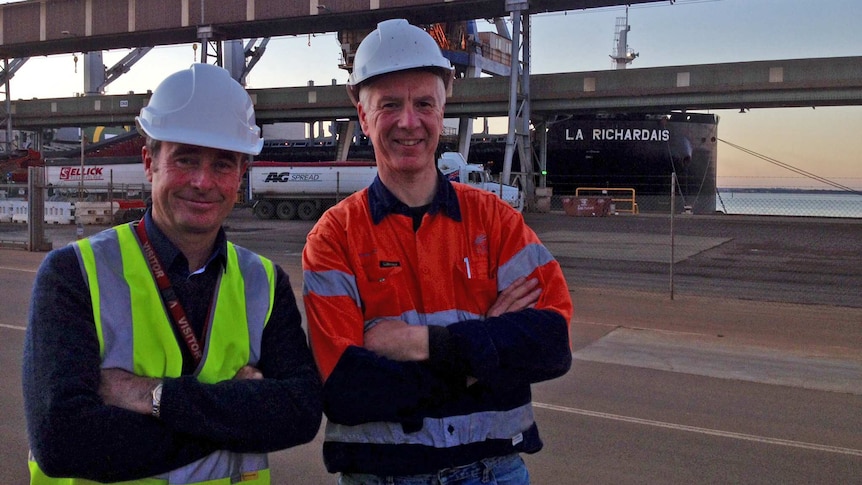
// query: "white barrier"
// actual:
[[59, 213], [19, 211], [95, 212], [6, 210]]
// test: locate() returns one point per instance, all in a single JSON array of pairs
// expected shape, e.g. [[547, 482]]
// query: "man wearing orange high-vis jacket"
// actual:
[[432, 307]]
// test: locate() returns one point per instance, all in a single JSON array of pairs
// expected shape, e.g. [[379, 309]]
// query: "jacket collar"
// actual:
[[382, 202]]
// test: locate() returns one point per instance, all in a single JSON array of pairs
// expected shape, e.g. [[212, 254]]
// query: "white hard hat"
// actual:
[[203, 106], [396, 46]]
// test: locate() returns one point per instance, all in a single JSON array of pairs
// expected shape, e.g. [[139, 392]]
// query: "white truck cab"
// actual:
[[453, 165]]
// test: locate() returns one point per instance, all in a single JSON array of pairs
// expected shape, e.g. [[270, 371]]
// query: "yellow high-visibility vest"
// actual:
[[137, 339]]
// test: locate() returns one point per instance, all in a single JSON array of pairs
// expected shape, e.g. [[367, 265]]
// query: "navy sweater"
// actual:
[[74, 434]]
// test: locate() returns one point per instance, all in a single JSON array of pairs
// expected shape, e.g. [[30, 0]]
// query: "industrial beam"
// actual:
[[835, 81], [46, 27]]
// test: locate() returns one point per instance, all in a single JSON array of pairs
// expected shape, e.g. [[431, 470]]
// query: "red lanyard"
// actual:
[[169, 296]]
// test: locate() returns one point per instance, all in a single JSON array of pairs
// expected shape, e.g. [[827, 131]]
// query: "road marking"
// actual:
[[13, 327], [712, 356], [19, 269], [707, 431]]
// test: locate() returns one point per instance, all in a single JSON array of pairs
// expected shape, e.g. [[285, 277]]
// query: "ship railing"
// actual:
[[623, 199]]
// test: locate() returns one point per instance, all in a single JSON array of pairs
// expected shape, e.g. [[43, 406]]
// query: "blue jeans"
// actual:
[[500, 470]]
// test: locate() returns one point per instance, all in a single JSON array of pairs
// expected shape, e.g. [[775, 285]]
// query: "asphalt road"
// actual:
[[752, 373]]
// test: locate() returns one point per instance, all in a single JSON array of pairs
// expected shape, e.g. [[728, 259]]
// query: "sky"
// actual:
[[825, 141]]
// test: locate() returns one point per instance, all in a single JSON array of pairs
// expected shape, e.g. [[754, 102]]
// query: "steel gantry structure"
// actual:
[[43, 27], [834, 81]]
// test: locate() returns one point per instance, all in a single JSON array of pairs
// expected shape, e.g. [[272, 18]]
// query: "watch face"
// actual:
[[157, 400]]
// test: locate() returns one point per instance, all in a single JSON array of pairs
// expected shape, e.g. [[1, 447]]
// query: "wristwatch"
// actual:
[[157, 400]]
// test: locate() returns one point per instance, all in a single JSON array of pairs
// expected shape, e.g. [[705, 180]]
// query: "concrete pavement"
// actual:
[[816, 347]]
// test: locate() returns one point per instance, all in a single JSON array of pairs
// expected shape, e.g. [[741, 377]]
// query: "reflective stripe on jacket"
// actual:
[[139, 340], [447, 273]]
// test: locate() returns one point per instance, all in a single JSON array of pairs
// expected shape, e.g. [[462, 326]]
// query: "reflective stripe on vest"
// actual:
[[134, 337], [440, 432], [37, 477]]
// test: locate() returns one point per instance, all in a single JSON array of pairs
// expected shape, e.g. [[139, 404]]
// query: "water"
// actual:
[[822, 204]]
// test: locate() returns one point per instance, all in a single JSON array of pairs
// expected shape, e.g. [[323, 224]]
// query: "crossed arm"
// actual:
[[399, 341], [123, 389], [69, 399]]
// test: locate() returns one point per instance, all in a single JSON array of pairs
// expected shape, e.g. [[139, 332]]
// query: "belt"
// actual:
[[481, 468]]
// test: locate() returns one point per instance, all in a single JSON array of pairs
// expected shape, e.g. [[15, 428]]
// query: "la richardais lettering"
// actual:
[[619, 134]]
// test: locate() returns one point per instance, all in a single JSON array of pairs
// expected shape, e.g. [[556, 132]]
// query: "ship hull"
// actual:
[[618, 151], [630, 151]]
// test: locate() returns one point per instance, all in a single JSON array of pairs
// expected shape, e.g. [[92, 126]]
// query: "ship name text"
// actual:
[[619, 134]]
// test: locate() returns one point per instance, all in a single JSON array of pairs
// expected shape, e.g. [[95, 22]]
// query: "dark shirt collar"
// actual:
[[171, 257], [382, 202]]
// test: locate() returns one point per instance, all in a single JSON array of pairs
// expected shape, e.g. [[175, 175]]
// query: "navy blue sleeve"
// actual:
[[74, 434], [505, 352], [282, 410], [365, 387], [515, 348]]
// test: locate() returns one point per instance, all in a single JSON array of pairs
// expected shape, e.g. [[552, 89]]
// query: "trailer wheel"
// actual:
[[285, 210], [308, 210], [264, 209]]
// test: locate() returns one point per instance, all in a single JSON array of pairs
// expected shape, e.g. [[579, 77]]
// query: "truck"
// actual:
[[304, 190], [97, 175], [102, 190]]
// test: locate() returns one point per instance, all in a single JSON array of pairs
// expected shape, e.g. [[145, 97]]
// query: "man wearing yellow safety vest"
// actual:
[[158, 352]]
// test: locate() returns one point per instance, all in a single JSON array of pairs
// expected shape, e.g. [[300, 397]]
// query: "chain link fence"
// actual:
[[792, 244], [787, 196], [808, 260]]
